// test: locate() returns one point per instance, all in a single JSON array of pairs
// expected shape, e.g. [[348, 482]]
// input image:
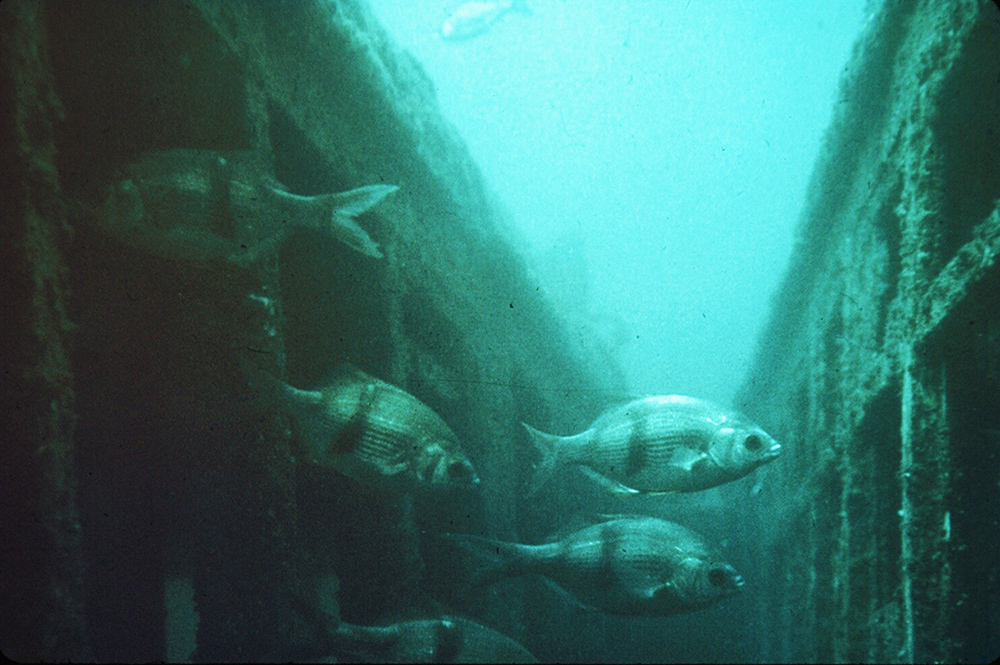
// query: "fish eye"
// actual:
[[717, 577], [752, 443]]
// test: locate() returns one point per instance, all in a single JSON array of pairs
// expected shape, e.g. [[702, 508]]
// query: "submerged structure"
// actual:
[[155, 509], [144, 490], [881, 364]]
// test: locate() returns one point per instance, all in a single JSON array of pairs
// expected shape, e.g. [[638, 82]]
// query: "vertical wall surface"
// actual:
[[39, 522], [139, 474], [880, 365]]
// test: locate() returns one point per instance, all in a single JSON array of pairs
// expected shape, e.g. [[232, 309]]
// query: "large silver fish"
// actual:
[[475, 18], [445, 640], [623, 565], [177, 204], [375, 433], [666, 443]]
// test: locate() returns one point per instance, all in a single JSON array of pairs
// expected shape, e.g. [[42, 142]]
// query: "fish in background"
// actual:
[[177, 204], [660, 444], [373, 432], [626, 565], [444, 640], [475, 18]]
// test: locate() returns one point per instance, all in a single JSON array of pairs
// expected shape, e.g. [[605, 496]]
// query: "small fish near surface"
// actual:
[[374, 432], [626, 565], [444, 640], [666, 443], [475, 18], [202, 205]]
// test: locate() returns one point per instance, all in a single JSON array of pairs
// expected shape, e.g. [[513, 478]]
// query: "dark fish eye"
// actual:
[[458, 469], [717, 577], [752, 443]]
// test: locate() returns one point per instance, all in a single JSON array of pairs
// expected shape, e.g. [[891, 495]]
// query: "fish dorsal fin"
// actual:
[[611, 485]]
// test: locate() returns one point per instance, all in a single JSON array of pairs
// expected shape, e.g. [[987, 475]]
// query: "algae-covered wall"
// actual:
[[880, 369], [141, 481]]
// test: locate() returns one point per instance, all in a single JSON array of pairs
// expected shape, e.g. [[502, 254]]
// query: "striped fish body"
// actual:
[[668, 443], [445, 640], [201, 205], [638, 566], [377, 434]]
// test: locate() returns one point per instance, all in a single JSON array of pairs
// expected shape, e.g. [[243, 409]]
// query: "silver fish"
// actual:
[[176, 204], [375, 433], [624, 565], [475, 18], [444, 640], [666, 443]]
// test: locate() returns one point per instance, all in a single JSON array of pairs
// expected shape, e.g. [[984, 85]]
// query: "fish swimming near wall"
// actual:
[[373, 432], [627, 565], [475, 18], [202, 205], [666, 443], [447, 639], [444, 640]]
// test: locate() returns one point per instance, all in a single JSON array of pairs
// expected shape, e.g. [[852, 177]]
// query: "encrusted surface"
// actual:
[[869, 336]]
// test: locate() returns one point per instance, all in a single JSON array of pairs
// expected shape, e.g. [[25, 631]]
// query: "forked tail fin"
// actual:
[[348, 205], [343, 207], [548, 449]]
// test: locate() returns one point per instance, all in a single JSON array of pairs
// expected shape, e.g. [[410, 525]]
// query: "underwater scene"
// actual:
[[499, 331]]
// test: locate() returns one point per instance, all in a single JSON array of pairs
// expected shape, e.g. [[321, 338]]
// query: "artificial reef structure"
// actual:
[[881, 363], [140, 482]]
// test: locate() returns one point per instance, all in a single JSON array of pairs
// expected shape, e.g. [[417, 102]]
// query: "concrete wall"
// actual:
[[880, 364], [149, 466]]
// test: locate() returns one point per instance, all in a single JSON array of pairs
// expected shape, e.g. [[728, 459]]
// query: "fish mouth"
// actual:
[[772, 452], [738, 581]]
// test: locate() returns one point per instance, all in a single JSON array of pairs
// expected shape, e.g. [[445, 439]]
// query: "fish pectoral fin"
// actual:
[[685, 458], [661, 589], [387, 468], [608, 483]]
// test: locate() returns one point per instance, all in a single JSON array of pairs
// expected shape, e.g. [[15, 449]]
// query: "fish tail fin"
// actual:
[[495, 559], [341, 209], [345, 206], [360, 200], [548, 447]]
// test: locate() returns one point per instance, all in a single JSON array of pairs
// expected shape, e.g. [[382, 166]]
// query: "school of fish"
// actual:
[[199, 206]]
